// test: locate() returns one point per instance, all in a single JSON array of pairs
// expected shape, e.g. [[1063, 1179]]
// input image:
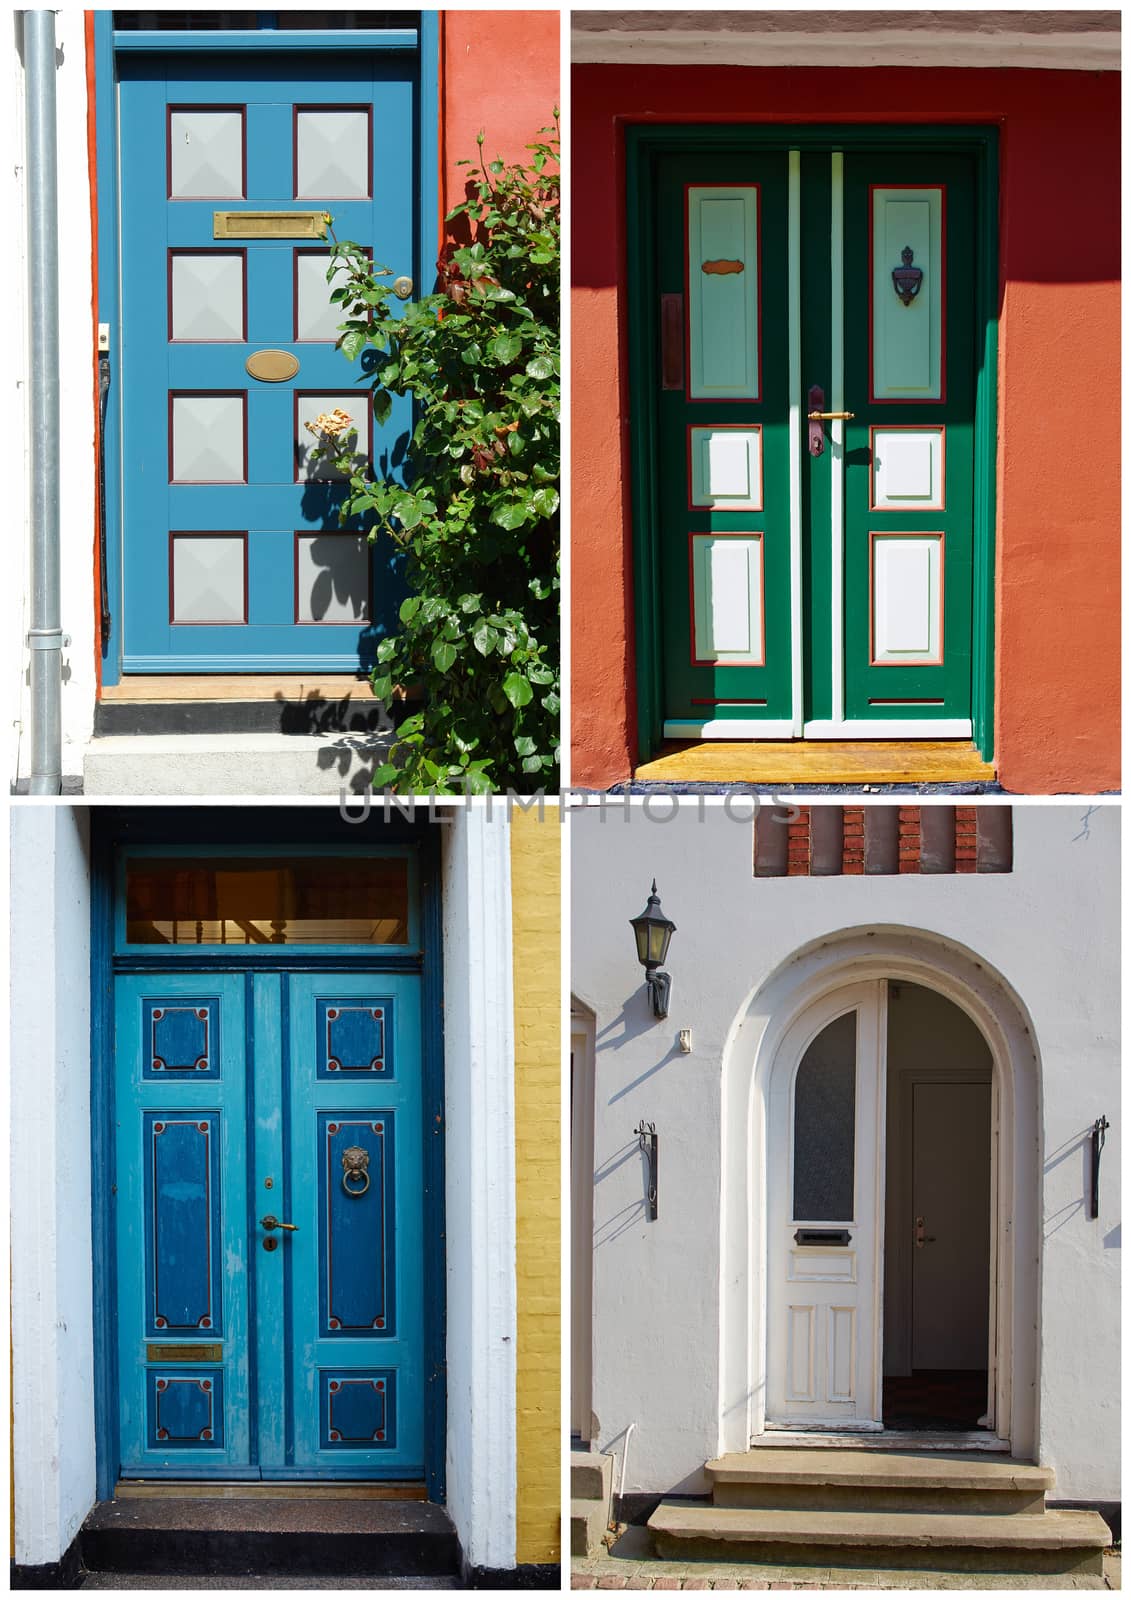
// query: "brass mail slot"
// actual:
[[268, 224], [184, 1352]]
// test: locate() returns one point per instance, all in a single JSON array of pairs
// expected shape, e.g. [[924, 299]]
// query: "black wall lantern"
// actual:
[[653, 935]]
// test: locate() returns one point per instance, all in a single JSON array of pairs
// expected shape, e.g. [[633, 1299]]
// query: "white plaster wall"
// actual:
[[76, 405], [479, 1183], [75, 397], [1050, 928], [52, 1334]]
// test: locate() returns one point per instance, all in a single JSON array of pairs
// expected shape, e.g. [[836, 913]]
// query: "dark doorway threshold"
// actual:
[[935, 1401]]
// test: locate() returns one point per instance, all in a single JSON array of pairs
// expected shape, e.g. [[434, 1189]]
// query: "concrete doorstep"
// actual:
[[631, 1563]]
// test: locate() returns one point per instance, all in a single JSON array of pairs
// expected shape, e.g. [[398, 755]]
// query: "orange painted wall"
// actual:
[[1058, 524], [500, 72]]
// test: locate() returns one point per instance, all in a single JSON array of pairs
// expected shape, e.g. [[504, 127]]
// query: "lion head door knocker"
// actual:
[[355, 1170], [908, 280]]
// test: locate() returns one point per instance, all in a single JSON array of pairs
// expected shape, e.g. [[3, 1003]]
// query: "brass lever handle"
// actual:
[[270, 1222], [830, 416], [921, 1236]]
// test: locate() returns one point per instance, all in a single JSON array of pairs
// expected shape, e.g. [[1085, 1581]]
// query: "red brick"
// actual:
[[612, 1583], [583, 1580], [666, 1583]]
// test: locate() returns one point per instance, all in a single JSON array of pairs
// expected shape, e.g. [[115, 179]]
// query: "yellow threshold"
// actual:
[[839, 761], [140, 1489], [295, 686]]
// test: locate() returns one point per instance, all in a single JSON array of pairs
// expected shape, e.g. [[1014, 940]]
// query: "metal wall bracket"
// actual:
[[649, 1141], [1098, 1138]]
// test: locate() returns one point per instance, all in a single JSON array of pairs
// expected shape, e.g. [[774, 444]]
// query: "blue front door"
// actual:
[[233, 555], [247, 1101]]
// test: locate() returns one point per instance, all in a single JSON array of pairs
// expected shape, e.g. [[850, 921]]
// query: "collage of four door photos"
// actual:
[[563, 838]]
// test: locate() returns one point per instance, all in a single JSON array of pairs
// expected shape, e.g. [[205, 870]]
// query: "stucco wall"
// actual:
[[52, 1328], [536, 923], [1050, 929], [1057, 547], [499, 75]]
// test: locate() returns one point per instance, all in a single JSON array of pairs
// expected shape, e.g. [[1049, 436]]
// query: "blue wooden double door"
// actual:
[[269, 1204], [234, 557]]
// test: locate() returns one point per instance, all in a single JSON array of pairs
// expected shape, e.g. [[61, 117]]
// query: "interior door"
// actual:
[[816, 572], [233, 555], [951, 1204], [825, 1143], [269, 1205]]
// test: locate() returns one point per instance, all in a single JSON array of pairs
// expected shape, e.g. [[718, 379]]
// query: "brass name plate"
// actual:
[[268, 224], [272, 366], [184, 1352]]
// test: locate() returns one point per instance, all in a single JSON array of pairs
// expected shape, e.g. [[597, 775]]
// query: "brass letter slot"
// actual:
[[184, 1352], [268, 224], [723, 268]]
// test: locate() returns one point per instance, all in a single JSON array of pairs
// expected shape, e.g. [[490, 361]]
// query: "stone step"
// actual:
[[863, 1480], [590, 1475], [1067, 1542], [227, 1537], [588, 1522]]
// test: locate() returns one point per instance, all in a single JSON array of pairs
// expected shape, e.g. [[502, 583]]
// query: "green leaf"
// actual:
[[353, 343], [540, 367], [524, 744], [505, 347], [517, 690], [443, 654], [546, 501], [483, 638], [511, 515], [382, 405]]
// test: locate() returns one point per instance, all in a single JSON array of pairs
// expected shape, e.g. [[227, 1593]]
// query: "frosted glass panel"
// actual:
[[332, 578], [208, 438], [206, 155], [315, 317], [824, 1126], [207, 296], [332, 155], [208, 578], [310, 407]]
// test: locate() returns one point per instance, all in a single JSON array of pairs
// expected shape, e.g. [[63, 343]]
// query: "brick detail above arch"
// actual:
[[845, 841]]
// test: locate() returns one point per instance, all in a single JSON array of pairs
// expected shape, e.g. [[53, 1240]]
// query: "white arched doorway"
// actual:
[[768, 1314]]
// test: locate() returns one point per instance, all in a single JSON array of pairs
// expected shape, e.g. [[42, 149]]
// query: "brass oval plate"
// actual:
[[272, 366]]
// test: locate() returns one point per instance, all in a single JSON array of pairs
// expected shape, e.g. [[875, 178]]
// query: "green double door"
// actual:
[[815, 574]]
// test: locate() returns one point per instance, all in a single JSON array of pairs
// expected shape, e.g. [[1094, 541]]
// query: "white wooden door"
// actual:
[[825, 1159], [951, 1249]]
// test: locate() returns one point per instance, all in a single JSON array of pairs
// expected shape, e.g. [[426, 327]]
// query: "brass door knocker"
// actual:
[[355, 1167]]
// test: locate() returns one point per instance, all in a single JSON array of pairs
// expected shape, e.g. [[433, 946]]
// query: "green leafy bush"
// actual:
[[479, 518]]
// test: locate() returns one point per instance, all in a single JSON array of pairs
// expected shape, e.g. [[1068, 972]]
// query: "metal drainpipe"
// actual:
[[45, 636]]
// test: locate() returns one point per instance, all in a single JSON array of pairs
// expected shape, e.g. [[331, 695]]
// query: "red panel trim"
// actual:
[[722, 427], [366, 250], [218, 394], [723, 400], [208, 533], [368, 110], [198, 199], [905, 400], [730, 533], [905, 427], [316, 394], [196, 250], [350, 622], [903, 533]]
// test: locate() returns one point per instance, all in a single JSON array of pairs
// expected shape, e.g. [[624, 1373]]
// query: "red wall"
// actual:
[[500, 73], [1057, 699]]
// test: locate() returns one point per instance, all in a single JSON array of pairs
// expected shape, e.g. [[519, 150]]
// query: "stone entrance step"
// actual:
[[591, 1492], [1065, 1542], [866, 1480], [322, 1536]]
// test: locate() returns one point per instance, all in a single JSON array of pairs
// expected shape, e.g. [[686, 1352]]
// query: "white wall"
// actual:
[[479, 1183], [77, 414], [52, 1334], [1050, 928]]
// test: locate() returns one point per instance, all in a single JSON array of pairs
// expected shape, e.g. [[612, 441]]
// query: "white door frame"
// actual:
[[913, 956], [583, 1051]]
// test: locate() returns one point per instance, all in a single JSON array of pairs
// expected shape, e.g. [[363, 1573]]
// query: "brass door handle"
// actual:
[[830, 416], [270, 1222], [921, 1236]]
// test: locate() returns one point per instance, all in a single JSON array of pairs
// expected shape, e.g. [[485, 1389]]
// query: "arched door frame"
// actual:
[[853, 956]]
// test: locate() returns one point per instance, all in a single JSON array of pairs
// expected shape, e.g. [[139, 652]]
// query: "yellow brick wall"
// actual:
[[536, 924]]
